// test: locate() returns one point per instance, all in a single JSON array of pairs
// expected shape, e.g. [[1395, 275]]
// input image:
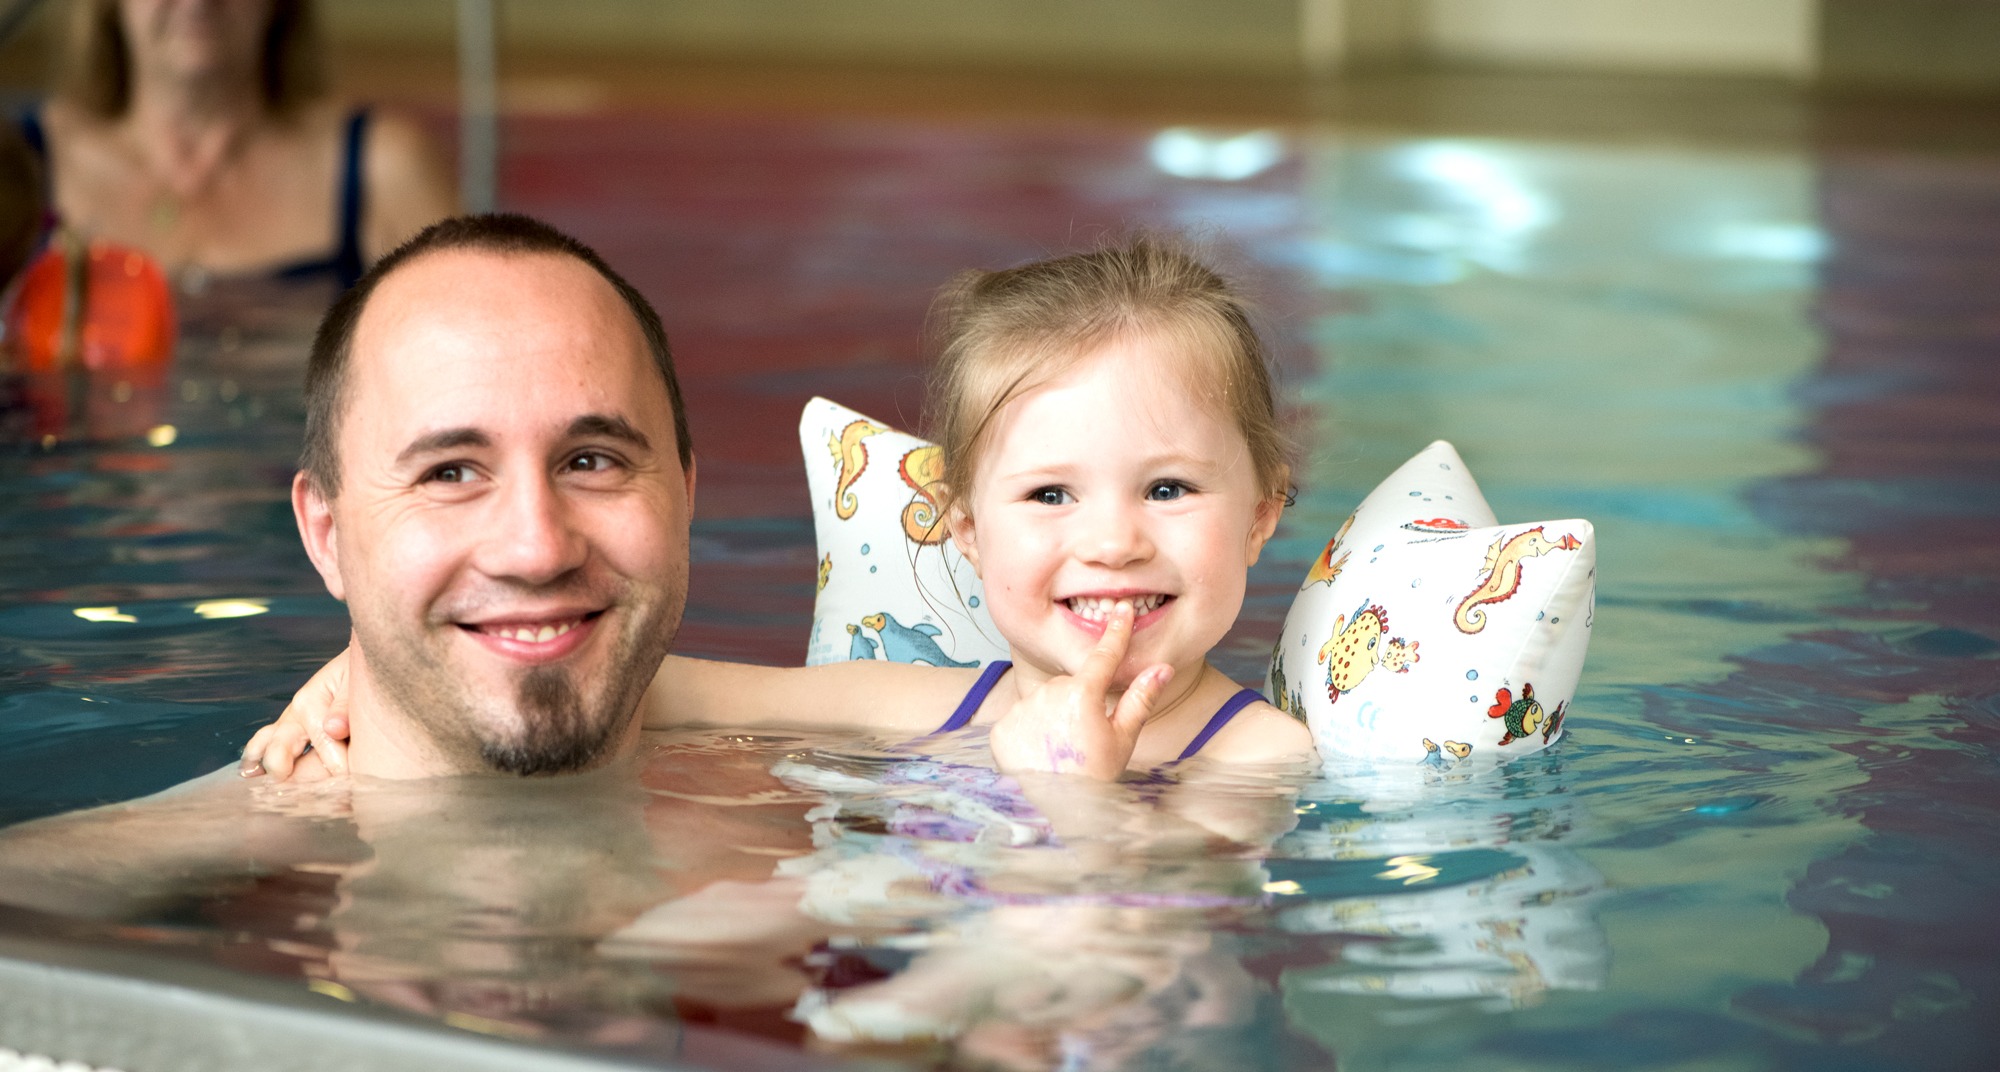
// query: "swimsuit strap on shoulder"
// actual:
[[347, 262], [974, 697], [1228, 710]]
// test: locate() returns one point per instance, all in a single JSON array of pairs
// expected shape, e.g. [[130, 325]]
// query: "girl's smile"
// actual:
[[1113, 482]]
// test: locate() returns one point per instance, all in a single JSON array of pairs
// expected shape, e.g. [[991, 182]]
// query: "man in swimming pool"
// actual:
[[497, 480]]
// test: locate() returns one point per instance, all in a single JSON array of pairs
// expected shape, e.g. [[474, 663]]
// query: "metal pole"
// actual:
[[478, 107]]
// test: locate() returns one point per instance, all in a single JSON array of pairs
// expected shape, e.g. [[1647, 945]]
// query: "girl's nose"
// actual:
[[1114, 535], [534, 540]]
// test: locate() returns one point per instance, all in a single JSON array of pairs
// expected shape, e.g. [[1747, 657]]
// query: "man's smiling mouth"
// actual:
[[1098, 608], [544, 631]]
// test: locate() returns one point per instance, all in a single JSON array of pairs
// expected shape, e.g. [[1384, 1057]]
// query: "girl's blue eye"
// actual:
[[1166, 491], [1050, 496]]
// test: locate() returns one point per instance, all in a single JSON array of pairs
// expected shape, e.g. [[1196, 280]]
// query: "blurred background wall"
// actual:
[[1932, 44]]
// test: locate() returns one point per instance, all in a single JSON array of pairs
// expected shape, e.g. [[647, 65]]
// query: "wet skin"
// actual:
[[510, 532]]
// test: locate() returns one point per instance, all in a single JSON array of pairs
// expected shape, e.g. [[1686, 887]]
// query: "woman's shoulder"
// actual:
[[409, 186]]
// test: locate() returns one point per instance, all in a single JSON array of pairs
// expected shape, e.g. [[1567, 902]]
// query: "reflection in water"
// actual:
[[1766, 841]]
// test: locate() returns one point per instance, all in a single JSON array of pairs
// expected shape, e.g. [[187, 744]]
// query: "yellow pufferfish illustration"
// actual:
[[1358, 646], [825, 571], [847, 449]]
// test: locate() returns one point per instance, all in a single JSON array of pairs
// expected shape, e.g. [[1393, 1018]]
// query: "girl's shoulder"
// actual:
[[1260, 733]]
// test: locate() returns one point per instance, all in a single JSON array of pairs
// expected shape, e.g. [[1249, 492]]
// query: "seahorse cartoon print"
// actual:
[[847, 449], [921, 468], [1524, 717], [1359, 646], [1500, 577], [1326, 567]]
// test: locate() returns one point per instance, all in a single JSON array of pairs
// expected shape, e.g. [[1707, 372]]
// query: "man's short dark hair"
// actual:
[[500, 232]]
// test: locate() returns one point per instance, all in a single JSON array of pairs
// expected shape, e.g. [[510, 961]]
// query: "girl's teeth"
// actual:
[[1096, 609]]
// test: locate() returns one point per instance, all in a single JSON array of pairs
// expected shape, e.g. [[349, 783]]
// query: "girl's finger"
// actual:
[[252, 763], [331, 750], [1096, 671], [1136, 706], [282, 749]]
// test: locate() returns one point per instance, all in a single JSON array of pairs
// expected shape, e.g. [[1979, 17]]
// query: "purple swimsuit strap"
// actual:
[[1228, 710], [974, 697]]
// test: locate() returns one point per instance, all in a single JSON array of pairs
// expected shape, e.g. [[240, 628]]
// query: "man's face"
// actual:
[[510, 532]]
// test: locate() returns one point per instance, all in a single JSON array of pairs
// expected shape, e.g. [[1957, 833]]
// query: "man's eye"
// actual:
[[448, 474], [591, 462], [1166, 491], [1050, 496]]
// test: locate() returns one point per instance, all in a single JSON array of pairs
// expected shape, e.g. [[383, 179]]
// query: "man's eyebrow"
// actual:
[[608, 426], [444, 439]]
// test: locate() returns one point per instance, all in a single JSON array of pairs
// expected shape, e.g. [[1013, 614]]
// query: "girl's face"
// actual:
[[1111, 483]]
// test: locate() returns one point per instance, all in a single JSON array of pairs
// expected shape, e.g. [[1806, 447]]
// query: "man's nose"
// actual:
[[534, 539], [1114, 534]]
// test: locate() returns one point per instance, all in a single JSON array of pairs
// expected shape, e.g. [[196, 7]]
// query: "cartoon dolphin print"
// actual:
[[860, 647], [910, 643]]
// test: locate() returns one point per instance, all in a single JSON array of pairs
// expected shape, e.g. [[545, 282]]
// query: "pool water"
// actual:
[[1767, 840]]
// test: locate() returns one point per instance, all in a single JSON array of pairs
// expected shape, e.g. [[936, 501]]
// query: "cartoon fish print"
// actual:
[[910, 643], [825, 571], [921, 469], [852, 454], [1357, 646], [1437, 524], [1500, 576], [1555, 723], [1326, 567], [1522, 717]]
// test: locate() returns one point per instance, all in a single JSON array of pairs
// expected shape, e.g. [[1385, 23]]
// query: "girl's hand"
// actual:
[[1068, 726], [316, 715]]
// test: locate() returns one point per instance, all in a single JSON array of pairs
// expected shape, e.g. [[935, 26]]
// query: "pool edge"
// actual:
[[110, 1009]]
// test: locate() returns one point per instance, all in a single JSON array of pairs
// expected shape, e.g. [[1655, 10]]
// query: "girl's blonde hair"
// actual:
[[1002, 334]]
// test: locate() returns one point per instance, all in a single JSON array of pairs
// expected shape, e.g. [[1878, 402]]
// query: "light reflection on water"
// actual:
[[1619, 334]]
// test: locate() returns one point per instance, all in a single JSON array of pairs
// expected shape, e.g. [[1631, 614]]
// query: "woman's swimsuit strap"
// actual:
[[344, 264], [1242, 699], [976, 696]]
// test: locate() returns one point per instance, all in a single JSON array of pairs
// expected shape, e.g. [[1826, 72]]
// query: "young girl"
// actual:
[[1113, 469]]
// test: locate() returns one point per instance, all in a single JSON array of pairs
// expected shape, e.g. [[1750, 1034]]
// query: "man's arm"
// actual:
[[115, 860]]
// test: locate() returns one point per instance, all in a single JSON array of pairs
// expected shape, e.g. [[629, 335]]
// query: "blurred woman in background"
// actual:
[[201, 132]]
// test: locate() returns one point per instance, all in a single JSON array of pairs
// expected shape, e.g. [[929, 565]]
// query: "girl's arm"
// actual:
[[892, 699]]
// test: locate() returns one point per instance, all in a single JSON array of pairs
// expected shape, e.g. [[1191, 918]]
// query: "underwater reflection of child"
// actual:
[[1113, 469]]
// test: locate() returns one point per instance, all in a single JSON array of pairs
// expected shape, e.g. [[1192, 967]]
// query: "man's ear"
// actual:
[[964, 536], [316, 530]]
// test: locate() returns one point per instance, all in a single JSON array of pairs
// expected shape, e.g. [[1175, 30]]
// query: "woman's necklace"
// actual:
[[197, 172]]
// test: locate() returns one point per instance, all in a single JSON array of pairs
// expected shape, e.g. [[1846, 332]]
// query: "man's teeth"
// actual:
[[532, 634], [1096, 609]]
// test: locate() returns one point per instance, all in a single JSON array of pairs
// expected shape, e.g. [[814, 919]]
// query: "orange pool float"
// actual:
[[95, 335]]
